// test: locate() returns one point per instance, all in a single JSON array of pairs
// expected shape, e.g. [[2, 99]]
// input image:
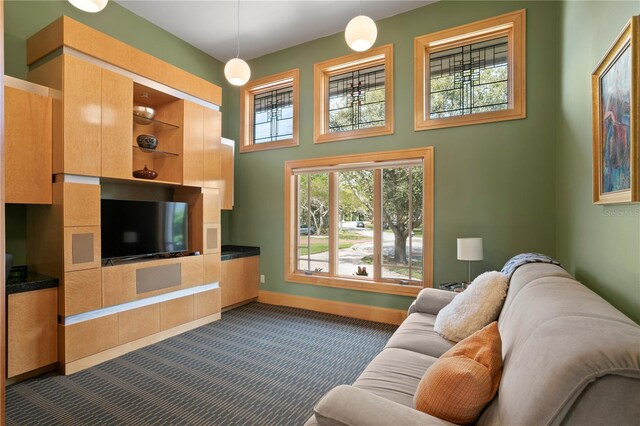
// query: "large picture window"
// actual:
[[471, 74], [353, 96], [361, 222], [269, 112]]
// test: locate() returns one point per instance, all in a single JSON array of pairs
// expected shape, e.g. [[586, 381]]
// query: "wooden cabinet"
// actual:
[[28, 134], [117, 122], [240, 280], [95, 104], [32, 330]]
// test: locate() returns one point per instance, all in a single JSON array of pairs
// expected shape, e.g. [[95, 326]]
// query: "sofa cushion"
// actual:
[[474, 308], [394, 374], [416, 334], [458, 386]]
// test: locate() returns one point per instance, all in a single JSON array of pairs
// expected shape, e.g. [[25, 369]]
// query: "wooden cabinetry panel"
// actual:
[[192, 148], [81, 292], [176, 312], [226, 170], [206, 303], [212, 148], [80, 203], [117, 122], [138, 323], [27, 149], [32, 332], [192, 271], [240, 280], [119, 282], [82, 117], [212, 268], [211, 205], [81, 248], [88, 337]]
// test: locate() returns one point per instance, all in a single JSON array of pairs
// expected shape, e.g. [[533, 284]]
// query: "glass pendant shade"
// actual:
[[91, 6], [237, 72], [361, 33]]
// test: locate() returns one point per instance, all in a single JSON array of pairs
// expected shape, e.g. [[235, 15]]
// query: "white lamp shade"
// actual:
[[237, 72], [91, 6], [469, 248], [361, 33]]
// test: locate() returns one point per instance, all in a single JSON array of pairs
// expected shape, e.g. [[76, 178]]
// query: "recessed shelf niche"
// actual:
[[166, 127]]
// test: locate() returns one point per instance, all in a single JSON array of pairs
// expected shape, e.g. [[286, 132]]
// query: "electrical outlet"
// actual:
[[261, 279]]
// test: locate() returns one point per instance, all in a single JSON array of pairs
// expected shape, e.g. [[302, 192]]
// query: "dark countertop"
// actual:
[[236, 252], [21, 280]]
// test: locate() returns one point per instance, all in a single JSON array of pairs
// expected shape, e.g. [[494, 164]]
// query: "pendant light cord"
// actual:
[[238, 28]]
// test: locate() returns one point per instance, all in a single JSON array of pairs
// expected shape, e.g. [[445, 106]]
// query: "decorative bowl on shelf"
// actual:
[[144, 112], [147, 141], [145, 173]]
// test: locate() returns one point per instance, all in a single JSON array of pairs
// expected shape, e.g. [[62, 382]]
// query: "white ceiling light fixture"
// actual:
[[361, 32], [91, 6], [236, 70]]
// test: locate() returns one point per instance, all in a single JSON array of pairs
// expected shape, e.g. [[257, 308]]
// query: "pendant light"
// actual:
[[361, 32], [236, 70], [91, 6]]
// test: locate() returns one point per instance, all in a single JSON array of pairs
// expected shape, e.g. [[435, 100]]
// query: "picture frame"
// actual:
[[616, 110]]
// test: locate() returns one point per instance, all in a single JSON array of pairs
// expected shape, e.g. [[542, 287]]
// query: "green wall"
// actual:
[[600, 245], [496, 181]]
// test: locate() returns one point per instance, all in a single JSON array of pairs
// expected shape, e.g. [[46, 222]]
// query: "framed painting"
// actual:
[[615, 120]]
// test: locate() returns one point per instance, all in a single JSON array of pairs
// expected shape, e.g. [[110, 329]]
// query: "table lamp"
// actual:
[[470, 249]]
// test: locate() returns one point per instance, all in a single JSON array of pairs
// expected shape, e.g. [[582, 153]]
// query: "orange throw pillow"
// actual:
[[457, 387]]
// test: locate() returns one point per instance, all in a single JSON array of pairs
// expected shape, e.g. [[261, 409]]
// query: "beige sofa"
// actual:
[[569, 358]]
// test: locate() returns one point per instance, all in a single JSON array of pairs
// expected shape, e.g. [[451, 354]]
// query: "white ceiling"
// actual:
[[265, 26]]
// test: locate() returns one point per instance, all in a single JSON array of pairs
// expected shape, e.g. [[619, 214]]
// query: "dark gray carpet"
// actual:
[[258, 365]]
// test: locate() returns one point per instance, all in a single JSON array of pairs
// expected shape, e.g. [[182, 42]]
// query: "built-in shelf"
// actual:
[[154, 181], [158, 125], [156, 152]]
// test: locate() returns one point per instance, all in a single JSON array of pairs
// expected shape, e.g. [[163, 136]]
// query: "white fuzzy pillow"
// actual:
[[474, 308]]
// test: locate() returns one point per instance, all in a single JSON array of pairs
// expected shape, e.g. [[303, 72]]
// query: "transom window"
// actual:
[[469, 79], [269, 112], [356, 99], [361, 224], [353, 96], [471, 74], [273, 115]]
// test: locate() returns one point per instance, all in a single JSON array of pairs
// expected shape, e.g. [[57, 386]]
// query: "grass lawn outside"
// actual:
[[320, 244]]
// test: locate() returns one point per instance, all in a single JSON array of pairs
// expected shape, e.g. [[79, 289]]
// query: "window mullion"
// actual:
[[410, 175], [377, 224], [333, 224]]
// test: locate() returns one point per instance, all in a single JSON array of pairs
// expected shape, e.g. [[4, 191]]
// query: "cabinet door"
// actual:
[[117, 124], [82, 117], [27, 147], [193, 145], [240, 280], [226, 169], [32, 330], [212, 148]]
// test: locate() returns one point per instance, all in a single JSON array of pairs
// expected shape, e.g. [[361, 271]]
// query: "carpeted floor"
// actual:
[[258, 365]]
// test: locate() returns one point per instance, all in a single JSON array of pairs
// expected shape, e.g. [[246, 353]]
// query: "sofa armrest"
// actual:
[[431, 300], [351, 406]]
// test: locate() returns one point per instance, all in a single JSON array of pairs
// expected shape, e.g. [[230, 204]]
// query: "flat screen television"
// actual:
[[143, 228]]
